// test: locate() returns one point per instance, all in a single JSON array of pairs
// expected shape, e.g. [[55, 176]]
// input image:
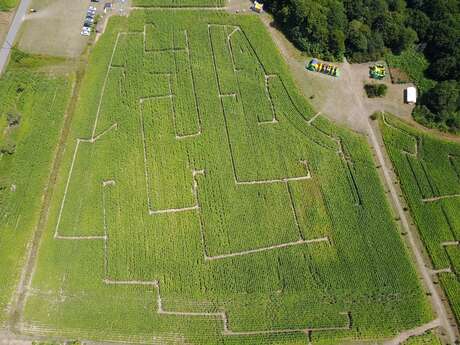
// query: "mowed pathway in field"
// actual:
[[354, 111]]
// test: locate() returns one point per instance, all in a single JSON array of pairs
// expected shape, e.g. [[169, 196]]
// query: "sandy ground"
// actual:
[[55, 28], [5, 20], [239, 6], [334, 97]]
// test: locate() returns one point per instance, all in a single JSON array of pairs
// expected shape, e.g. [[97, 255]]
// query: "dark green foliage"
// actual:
[[317, 27], [365, 30], [361, 30], [441, 107], [375, 90]]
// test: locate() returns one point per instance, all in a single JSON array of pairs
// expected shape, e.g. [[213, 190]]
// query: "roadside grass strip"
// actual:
[[202, 201]]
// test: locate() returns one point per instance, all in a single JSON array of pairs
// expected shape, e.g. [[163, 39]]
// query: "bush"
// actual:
[[374, 116], [8, 148], [13, 119], [375, 90]]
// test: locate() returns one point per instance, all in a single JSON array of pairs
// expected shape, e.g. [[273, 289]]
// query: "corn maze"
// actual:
[[429, 171], [202, 201]]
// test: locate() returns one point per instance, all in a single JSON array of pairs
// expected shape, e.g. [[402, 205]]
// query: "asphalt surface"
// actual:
[[12, 32]]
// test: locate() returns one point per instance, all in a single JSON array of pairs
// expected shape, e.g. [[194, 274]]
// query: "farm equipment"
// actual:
[[316, 66], [377, 72], [258, 7]]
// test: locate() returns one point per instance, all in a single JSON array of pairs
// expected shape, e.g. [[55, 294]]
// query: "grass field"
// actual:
[[201, 201], [429, 171], [31, 113]]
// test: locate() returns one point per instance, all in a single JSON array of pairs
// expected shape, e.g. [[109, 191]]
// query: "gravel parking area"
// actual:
[[55, 28]]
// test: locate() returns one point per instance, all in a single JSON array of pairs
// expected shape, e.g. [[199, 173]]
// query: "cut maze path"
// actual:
[[136, 218], [360, 113], [193, 208], [429, 180]]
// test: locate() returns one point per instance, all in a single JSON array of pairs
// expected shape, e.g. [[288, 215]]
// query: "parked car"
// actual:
[[85, 32]]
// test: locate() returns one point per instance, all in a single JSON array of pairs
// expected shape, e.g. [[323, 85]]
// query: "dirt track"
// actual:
[[19, 297]]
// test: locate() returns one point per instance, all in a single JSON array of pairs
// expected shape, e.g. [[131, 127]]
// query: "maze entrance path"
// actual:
[[201, 200]]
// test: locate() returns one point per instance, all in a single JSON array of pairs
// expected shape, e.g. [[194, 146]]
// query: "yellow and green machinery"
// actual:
[[377, 71], [325, 68]]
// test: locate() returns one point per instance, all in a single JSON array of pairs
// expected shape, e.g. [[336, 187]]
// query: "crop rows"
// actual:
[[179, 3], [31, 114], [198, 203], [430, 181]]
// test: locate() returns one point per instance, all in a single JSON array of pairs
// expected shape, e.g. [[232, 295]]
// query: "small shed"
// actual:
[[258, 7], [411, 95]]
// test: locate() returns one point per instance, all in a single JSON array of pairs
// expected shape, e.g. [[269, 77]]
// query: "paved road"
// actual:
[[11, 36]]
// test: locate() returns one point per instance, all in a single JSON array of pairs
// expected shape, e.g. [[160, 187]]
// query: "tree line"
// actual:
[[365, 30]]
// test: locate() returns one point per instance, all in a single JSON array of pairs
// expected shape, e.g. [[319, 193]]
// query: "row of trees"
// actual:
[[360, 29], [364, 30]]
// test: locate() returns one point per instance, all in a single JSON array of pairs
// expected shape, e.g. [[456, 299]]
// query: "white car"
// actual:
[[92, 8], [85, 31]]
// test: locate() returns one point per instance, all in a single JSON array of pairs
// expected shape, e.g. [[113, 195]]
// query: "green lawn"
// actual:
[[195, 203], [429, 171]]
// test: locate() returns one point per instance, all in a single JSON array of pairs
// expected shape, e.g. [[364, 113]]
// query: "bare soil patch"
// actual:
[[398, 76], [239, 6], [5, 20]]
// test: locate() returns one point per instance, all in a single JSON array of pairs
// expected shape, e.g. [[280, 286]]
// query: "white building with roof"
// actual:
[[411, 95]]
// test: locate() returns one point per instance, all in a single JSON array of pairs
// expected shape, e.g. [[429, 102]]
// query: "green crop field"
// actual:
[[201, 201], [429, 172], [31, 114], [179, 3]]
